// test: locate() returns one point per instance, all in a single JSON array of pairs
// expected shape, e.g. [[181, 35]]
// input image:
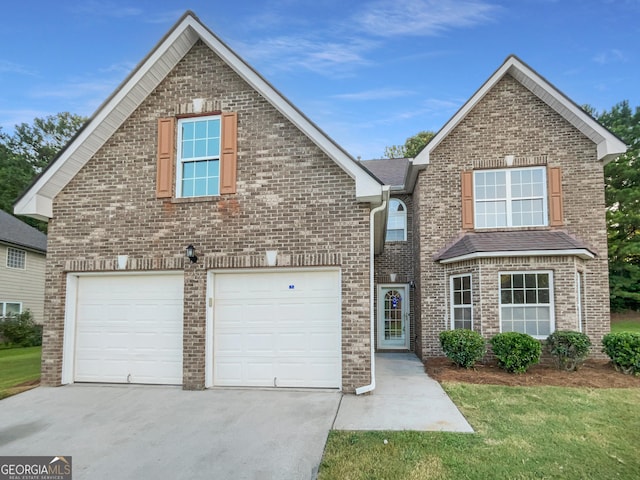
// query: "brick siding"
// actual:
[[290, 197], [510, 120]]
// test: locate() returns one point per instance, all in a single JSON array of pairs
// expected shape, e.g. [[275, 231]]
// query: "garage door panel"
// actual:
[[274, 325], [129, 329]]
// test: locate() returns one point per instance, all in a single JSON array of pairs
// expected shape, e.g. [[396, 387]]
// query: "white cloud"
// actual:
[[375, 94], [423, 17], [610, 56], [10, 67], [331, 58]]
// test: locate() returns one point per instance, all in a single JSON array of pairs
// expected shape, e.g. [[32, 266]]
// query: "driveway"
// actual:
[[148, 432]]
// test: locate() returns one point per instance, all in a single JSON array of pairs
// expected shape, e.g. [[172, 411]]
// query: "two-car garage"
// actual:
[[264, 328]]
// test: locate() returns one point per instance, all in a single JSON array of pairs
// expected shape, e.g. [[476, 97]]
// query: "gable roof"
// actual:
[[15, 232], [513, 244], [37, 200], [609, 146]]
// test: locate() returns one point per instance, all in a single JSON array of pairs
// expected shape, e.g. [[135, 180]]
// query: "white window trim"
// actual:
[[3, 309], [178, 155], [509, 199], [579, 306], [451, 303], [552, 318], [24, 265], [404, 230]]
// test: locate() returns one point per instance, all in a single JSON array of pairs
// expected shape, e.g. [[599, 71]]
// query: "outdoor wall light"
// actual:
[[191, 254]]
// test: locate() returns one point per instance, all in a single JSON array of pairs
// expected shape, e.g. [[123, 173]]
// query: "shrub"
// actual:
[[20, 330], [569, 348], [516, 352], [623, 349], [464, 347]]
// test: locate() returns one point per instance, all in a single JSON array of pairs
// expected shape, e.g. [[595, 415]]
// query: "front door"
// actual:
[[393, 317]]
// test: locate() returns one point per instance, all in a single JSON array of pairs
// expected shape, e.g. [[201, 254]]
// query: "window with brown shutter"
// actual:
[[556, 216], [204, 161], [166, 155], [467, 200]]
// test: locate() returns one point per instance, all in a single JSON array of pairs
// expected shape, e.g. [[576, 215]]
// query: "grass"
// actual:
[[18, 366], [626, 326], [521, 433]]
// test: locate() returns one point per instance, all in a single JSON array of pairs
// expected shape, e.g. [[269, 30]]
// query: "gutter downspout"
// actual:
[[372, 385]]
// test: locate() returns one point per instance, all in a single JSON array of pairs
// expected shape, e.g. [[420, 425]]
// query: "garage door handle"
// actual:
[[129, 378], [275, 381]]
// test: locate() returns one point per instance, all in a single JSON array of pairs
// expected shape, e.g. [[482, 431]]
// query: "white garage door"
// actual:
[[129, 329], [277, 329]]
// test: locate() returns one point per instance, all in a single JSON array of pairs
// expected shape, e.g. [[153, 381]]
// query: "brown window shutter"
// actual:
[[556, 217], [467, 200], [229, 153], [166, 154]]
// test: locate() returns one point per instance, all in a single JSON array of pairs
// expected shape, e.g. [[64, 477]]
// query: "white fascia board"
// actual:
[[367, 188], [578, 252], [35, 206], [608, 145]]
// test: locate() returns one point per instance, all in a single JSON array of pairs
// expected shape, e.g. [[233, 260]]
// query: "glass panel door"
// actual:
[[393, 315]]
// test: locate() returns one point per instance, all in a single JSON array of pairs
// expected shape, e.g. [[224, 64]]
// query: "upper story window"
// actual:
[[514, 197], [16, 258], [397, 221], [198, 157]]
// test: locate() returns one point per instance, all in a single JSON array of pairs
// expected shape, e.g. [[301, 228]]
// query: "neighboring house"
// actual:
[[23, 251], [196, 149]]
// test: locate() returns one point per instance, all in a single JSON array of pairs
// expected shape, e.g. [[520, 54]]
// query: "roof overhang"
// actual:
[[37, 200], [609, 146], [578, 252]]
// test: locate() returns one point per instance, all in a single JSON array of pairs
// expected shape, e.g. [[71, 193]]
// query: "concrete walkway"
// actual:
[[405, 398]]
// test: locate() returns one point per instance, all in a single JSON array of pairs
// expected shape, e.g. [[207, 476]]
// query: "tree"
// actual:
[[412, 146], [28, 151], [622, 193]]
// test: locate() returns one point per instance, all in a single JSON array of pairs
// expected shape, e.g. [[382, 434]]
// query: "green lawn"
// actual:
[[629, 325], [521, 433], [18, 366]]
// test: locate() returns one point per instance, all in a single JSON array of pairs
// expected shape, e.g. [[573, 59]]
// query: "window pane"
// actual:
[[466, 282], [200, 148], [530, 280], [201, 169], [213, 186], [518, 280], [505, 281], [188, 170], [213, 148], [466, 297], [13, 308], [201, 129], [200, 187], [187, 188], [457, 298], [506, 296], [543, 280], [518, 313], [188, 131], [530, 296], [457, 283], [518, 296], [187, 149]]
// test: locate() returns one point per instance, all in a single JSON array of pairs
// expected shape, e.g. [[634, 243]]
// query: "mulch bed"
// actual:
[[593, 374]]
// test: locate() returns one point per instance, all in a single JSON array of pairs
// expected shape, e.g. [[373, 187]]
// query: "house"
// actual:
[[23, 250], [204, 232]]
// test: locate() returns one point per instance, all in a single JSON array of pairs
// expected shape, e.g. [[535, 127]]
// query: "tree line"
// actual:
[[31, 147]]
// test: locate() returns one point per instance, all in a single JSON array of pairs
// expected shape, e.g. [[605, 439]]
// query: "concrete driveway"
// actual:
[[147, 432]]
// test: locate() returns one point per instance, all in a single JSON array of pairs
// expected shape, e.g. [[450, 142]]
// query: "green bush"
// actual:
[[569, 348], [516, 352], [20, 330], [623, 349], [464, 347]]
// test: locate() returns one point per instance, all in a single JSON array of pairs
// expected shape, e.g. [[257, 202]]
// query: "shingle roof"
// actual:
[[390, 171], [520, 241], [17, 232]]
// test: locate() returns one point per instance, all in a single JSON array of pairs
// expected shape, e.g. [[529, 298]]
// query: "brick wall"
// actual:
[[510, 120], [290, 197]]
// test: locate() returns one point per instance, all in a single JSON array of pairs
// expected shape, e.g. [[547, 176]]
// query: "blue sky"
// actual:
[[369, 73]]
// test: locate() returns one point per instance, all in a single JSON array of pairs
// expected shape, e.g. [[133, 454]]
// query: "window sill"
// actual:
[[178, 200]]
